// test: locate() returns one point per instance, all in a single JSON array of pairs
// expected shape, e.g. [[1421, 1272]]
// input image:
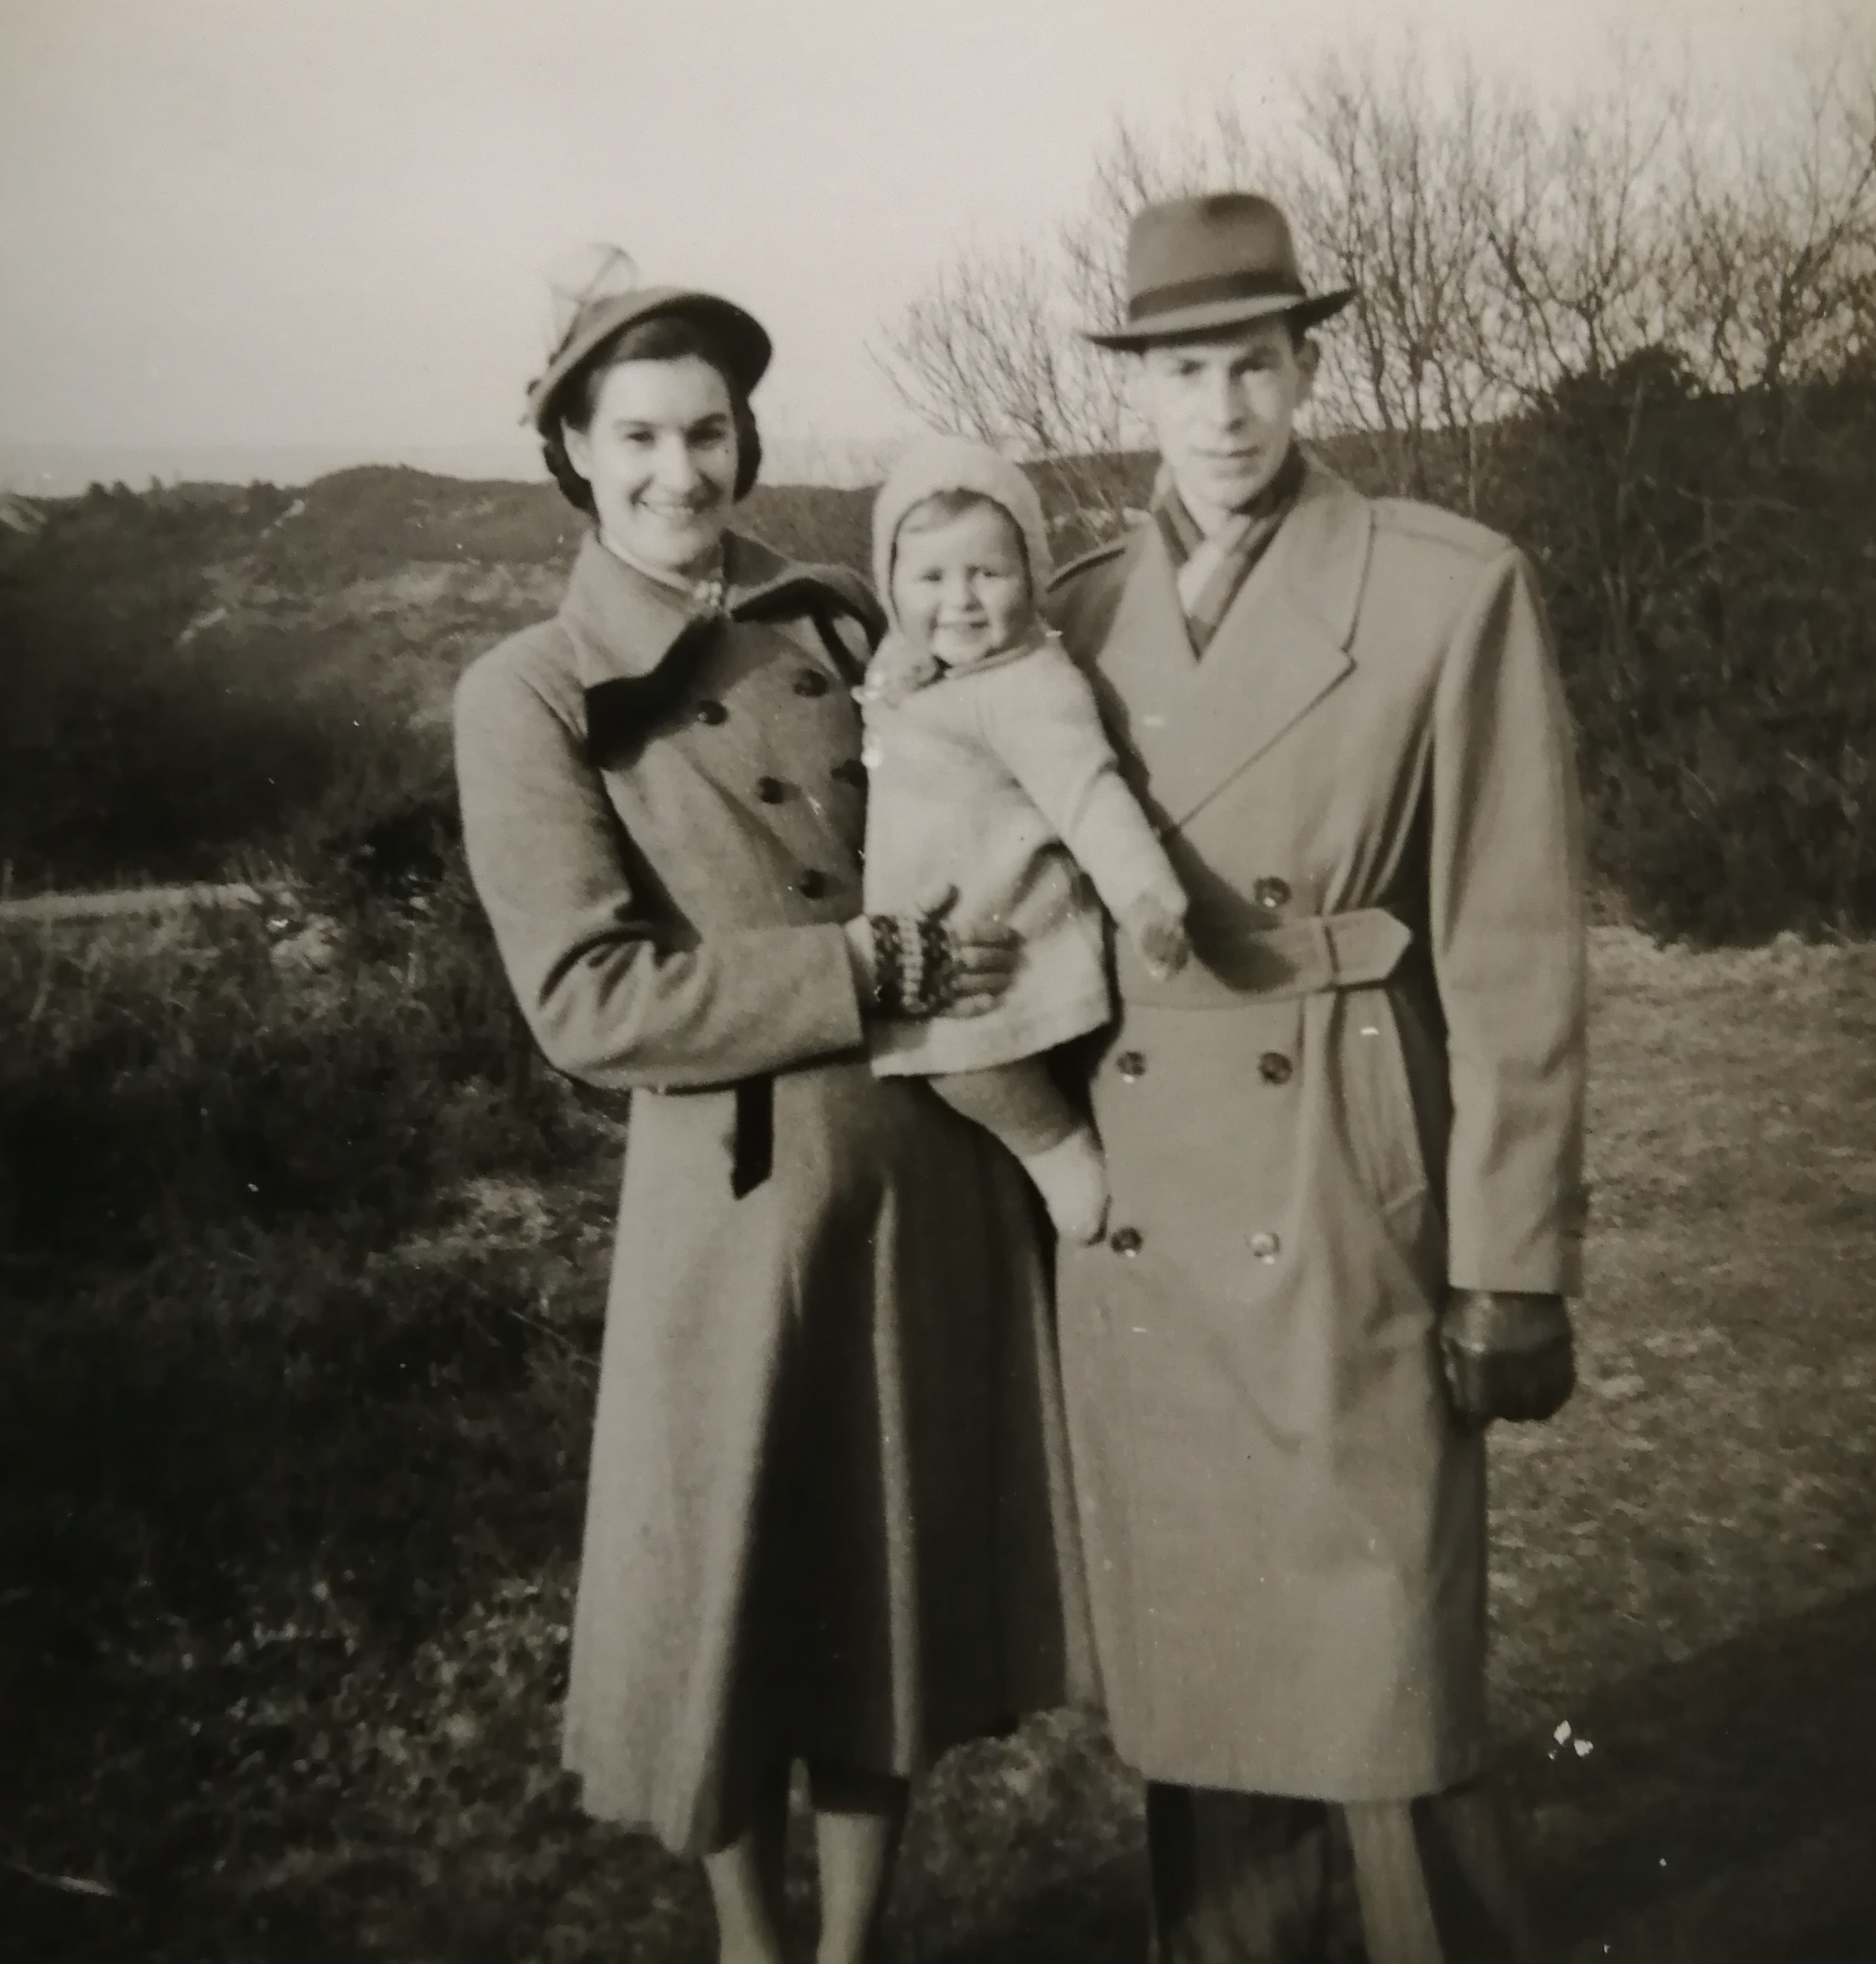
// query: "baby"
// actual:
[[989, 771]]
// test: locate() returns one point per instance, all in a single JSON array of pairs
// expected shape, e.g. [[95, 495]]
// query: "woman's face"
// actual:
[[660, 456]]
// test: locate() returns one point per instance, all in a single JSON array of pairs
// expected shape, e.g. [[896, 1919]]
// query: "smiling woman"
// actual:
[[827, 1515]]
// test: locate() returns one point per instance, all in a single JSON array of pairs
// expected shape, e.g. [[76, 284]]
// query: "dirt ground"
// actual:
[[1685, 1575]]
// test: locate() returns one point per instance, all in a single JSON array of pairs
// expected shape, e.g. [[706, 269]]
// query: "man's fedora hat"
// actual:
[[1222, 261], [596, 293]]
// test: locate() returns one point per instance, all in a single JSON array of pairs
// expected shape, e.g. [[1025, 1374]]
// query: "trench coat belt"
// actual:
[[1305, 957]]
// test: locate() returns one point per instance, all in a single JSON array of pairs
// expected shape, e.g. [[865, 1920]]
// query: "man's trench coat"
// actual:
[[1366, 1086]]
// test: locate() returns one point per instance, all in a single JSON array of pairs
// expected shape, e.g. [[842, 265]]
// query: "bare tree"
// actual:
[[1500, 254], [1782, 237], [1587, 270], [1390, 190], [976, 351], [993, 346]]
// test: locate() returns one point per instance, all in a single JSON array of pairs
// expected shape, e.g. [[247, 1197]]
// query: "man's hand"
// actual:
[[1506, 1355]]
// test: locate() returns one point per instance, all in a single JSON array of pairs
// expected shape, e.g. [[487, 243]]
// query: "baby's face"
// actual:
[[961, 588]]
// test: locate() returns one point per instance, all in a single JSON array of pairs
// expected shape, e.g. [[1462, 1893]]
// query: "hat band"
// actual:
[[1243, 285]]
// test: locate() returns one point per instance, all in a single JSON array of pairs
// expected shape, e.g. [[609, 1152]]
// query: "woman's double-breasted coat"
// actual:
[[1366, 1086], [828, 1512]]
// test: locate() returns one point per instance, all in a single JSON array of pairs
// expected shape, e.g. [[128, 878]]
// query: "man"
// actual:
[[1344, 1143]]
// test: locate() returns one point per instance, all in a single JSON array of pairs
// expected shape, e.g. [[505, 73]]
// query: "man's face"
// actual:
[[1221, 410]]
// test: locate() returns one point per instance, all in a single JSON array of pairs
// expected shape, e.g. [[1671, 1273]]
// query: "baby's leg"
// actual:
[[1023, 1106]]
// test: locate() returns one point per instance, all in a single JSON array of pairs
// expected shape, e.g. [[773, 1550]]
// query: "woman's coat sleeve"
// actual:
[[612, 998], [1507, 925]]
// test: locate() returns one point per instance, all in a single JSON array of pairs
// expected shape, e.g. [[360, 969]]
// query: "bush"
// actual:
[[1706, 565], [160, 1083], [275, 1236], [1704, 560]]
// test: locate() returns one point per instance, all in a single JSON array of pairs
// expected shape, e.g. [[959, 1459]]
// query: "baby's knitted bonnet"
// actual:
[[935, 464]]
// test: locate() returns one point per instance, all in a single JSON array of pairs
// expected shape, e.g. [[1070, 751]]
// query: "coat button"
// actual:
[[811, 884], [771, 791], [1130, 1064], [850, 771], [1265, 1246], [1270, 892], [1274, 1067], [1125, 1240], [810, 681], [711, 711]]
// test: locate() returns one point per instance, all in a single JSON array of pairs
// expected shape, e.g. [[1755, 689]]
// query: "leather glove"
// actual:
[[1506, 1355]]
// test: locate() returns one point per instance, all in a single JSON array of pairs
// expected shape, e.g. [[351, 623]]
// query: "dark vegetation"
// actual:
[[1707, 563]]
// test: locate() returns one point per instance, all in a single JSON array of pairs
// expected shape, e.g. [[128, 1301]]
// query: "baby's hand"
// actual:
[[897, 670], [1159, 932]]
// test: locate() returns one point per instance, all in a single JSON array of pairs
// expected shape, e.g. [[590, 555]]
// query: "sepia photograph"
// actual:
[[937, 982]]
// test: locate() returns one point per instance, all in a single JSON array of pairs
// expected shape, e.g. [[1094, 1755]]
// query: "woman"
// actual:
[[827, 1516]]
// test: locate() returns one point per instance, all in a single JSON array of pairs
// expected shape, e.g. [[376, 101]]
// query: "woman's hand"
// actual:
[[984, 957], [923, 964]]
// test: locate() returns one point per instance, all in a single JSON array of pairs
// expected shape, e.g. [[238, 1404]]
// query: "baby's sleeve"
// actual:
[[1043, 722]]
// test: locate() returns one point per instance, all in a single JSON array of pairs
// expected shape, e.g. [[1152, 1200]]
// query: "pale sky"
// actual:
[[239, 223]]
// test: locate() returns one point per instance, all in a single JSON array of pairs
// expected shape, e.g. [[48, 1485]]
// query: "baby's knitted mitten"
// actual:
[[914, 964]]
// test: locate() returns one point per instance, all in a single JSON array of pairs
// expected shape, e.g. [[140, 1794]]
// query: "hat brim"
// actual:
[[1307, 310], [746, 344]]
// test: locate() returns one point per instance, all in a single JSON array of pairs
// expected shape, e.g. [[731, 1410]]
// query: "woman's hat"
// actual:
[[1219, 261], [596, 293]]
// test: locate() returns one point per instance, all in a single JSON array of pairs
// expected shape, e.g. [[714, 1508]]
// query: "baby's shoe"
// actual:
[[1071, 1176], [1159, 932]]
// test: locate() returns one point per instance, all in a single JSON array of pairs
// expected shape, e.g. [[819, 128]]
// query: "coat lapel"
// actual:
[[639, 644], [1282, 646], [1147, 663], [624, 623]]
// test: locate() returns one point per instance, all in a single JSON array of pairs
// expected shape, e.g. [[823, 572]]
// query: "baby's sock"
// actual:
[[1071, 1176]]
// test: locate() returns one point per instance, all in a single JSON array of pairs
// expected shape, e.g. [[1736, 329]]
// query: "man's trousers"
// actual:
[[1260, 1879]]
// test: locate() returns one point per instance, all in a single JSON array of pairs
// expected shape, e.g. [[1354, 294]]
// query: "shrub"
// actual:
[[273, 1235], [1706, 563], [160, 1083]]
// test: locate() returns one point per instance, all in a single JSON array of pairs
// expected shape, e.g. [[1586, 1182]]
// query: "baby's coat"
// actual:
[[997, 779]]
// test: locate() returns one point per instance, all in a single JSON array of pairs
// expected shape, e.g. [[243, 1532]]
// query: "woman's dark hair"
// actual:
[[660, 337]]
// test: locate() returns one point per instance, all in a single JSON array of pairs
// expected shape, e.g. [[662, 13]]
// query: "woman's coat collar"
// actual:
[[637, 644], [623, 624]]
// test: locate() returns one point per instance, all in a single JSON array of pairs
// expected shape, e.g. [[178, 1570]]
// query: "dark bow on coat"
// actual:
[[622, 713]]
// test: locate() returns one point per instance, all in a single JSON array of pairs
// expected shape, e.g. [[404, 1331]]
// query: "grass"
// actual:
[[302, 1281], [1686, 1572]]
